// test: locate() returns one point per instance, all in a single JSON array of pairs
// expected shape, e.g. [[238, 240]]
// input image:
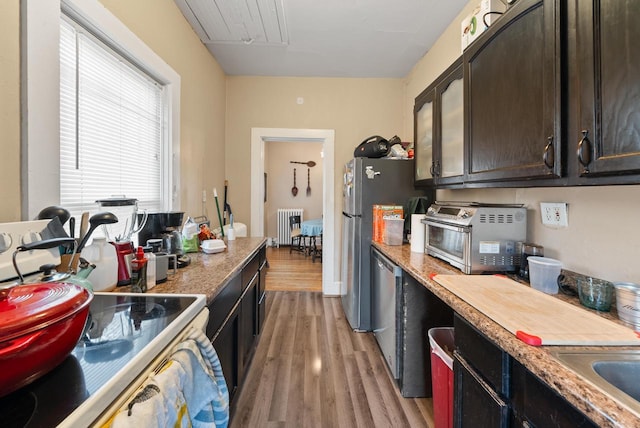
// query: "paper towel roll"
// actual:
[[417, 233]]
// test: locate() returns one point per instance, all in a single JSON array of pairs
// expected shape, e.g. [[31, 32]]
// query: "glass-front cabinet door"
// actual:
[[439, 130], [424, 136], [450, 94]]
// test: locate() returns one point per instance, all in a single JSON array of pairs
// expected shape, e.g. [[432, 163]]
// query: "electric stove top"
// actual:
[[124, 334]]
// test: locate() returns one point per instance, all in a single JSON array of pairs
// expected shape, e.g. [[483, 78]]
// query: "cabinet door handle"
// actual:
[[584, 151], [436, 168], [548, 156], [432, 170]]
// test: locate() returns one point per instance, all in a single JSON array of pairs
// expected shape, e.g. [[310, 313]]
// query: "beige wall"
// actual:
[[603, 234], [162, 27], [10, 110], [354, 108], [279, 169]]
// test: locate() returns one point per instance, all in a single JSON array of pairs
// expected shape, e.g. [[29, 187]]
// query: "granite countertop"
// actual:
[[600, 407], [209, 273]]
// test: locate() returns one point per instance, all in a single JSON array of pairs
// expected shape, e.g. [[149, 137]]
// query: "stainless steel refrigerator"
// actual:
[[368, 182]]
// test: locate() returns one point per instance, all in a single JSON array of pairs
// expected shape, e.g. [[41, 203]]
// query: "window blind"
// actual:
[[112, 126]]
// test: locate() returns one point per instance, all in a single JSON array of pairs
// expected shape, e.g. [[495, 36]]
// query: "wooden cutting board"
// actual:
[[533, 316]]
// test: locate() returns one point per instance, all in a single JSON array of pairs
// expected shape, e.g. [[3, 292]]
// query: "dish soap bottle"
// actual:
[[139, 272]]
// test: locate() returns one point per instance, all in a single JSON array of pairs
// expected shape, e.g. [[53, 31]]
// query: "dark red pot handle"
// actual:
[[20, 343]]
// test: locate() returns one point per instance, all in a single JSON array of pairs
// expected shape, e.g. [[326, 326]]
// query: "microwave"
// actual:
[[474, 237]]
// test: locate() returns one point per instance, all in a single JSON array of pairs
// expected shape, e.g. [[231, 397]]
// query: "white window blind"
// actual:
[[112, 126]]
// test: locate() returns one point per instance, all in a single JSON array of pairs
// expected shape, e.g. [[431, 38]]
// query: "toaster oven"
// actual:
[[475, 237]]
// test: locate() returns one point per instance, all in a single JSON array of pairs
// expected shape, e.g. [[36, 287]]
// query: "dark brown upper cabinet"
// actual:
[[607, 138], [423, 131], [512, 77], [439, 130]]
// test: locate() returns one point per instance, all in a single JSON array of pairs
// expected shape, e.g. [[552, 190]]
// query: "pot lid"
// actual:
[[27, 308]]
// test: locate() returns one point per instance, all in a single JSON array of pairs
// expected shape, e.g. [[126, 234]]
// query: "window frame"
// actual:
[[40, 93]]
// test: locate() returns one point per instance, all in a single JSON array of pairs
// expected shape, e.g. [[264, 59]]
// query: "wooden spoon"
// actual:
[[308, 182], [309, 164], [294, 189]]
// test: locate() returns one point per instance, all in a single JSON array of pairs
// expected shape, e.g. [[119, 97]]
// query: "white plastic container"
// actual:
[[212, 246], [543, 273], [102, 254], [151, 269]]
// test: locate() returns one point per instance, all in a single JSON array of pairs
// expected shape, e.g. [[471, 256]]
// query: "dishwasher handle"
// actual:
[[385, 263]]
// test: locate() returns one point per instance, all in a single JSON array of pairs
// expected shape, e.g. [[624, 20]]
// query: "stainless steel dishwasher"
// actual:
[[387, 281], [403, 311]]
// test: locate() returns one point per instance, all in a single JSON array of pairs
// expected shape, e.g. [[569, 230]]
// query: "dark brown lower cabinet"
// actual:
[[226, 345], [235, 321], [248, 315], [492, 389], [475, 402], [262, 298], [537, 405]]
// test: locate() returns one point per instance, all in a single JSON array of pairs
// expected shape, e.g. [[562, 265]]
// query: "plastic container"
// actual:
[[393, 231], [212, 246], [102, 254], [543, 273], [628, 303], [595, 293], [442, 344], [151, 267]]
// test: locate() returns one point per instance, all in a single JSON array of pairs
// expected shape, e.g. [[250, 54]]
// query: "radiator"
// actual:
[[284, 236]]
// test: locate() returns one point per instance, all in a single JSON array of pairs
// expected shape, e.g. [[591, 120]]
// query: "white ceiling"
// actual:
[[327, 38]]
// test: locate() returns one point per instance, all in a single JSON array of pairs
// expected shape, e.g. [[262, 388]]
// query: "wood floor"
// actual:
[[311, 370], [292, 271]]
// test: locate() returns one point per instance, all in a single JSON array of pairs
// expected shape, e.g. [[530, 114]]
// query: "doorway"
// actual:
[[260, 136]]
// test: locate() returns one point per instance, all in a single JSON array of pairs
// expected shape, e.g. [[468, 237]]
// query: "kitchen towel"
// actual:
[[188, 391], [417, 233]]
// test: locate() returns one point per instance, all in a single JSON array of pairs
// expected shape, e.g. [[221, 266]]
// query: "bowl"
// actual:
[[628, 302], [212, 246], [595, 293], [543, 273]]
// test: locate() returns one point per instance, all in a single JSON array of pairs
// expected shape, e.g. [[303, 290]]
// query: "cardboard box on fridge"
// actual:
[[474, 24], [380, 213]]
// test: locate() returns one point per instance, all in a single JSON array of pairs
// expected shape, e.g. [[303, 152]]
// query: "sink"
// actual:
[[617, 373]]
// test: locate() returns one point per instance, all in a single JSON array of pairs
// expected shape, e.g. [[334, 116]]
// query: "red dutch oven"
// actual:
[[40, 324]]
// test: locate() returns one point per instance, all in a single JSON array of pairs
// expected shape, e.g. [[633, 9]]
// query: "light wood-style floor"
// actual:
[[311, 370], [292, 271]]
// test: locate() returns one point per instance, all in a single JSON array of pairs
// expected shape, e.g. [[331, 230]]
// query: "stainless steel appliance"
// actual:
[[368, 182], [387, 280], [476, 237], [403, 312]]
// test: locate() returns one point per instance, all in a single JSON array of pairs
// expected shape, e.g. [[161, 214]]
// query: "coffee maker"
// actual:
[[166, 226]]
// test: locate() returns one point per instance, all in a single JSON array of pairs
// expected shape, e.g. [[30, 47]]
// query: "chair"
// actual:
[[297, 239], [317, 249]]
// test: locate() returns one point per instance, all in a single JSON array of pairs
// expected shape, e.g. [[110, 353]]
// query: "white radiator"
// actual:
[[284, 236]]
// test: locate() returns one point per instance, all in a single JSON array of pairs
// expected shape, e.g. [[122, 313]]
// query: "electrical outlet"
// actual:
[[554, 214]]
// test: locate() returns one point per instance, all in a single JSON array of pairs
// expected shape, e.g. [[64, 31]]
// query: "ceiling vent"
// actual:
[[260, 22]]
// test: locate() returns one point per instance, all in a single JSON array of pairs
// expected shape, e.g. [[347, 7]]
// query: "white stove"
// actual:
[[128, 336], [12, 235]]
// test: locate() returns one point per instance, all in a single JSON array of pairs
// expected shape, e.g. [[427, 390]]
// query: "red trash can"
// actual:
[[442, 343]]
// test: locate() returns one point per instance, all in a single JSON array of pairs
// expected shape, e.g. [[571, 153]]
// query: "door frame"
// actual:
[[260, 136]]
